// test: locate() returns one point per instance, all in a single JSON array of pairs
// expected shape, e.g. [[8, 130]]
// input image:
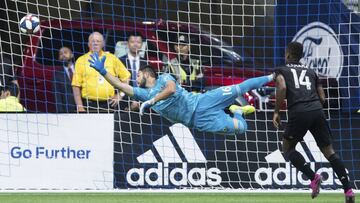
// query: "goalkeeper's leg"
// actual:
[[221, 123], [222, 97], [240, 124], [234, 126], [253, 83]]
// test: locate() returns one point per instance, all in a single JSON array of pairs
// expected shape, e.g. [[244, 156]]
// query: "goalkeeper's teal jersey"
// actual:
[[178, 108], [205, 111]]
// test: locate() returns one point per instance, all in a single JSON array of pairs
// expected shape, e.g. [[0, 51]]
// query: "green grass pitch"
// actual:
[[158, 197]]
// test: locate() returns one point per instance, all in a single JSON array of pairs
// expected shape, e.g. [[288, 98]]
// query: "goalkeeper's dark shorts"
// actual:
[[299, 123]]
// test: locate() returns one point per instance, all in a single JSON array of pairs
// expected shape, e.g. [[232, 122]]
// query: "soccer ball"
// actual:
[[29, 24]]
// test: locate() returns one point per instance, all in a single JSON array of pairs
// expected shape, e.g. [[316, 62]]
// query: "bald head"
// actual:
[[96, 42]]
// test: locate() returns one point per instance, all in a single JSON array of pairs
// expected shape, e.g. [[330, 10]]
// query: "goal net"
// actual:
[[228, 41]]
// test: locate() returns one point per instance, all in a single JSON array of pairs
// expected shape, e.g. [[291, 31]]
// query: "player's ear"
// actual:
[[6, 94], [145, 74]]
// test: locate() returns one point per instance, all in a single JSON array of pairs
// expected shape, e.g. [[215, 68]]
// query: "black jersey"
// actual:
[[301, 88]]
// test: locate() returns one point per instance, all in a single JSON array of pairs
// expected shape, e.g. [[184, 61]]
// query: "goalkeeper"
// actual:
[[204, 112]]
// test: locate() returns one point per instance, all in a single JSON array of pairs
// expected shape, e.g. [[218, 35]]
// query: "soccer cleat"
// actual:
[[315, 185], [248, 109], [349, 196]]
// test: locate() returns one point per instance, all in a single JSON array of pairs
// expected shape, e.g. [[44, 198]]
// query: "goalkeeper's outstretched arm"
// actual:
[[98, 65], [124, 87]]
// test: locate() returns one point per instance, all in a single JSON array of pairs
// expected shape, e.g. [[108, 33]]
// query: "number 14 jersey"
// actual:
[[301, 88]]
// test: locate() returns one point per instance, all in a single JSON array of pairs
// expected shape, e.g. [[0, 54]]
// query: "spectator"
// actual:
[[8, 99], [64, 98], [89, 87], [185, 69], [133, 62], [132, 59]]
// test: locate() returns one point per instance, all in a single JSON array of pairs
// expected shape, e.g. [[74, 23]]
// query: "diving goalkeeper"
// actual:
[[204, 112]]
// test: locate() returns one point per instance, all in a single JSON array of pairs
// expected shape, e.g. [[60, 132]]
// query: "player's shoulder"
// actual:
[[281, 70], [165, 76], [312, 73], [287, 67], [295, 66], [302, 67]]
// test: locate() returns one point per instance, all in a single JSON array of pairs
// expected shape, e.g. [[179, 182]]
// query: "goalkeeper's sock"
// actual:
[[340, 171], [241, 124], [299, 162]]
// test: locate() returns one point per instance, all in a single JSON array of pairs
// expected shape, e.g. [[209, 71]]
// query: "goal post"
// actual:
[[231, 40]]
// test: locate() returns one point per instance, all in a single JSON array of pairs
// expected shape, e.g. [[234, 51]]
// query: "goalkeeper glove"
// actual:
[[146, 105], [98, 64]]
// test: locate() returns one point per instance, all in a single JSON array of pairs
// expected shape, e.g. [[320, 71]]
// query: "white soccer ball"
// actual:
[[29, 24]]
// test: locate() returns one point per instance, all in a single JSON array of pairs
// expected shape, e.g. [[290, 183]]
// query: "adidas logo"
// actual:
[[289, 175], [167, 171]]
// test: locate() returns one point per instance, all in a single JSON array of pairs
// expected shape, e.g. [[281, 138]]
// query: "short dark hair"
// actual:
[[148, 69], [12, 88], [295, 50], [133, 34]]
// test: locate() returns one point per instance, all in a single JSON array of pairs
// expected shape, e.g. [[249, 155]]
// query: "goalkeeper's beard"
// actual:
[[142, 84]]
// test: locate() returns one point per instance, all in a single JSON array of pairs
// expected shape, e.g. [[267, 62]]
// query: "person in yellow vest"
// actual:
[[9, 101], [90, 89], [184, 68]]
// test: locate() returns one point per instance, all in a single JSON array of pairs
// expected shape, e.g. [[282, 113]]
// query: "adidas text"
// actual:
[[164, 176], [290, 175]]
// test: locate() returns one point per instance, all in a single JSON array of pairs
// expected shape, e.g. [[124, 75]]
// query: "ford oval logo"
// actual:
[[322, 50]]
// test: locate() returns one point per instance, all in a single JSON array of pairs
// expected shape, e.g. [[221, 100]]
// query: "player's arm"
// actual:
[[167, 92], [98, 65], [320, 91], [77, 99], [280, 97], [121, 72], [76, 84], [122, 86]]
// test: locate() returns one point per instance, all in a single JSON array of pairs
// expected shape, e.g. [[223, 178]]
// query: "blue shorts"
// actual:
[[210, 116]]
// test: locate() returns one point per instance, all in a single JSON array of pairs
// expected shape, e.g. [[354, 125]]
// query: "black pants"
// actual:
[[92, 106]]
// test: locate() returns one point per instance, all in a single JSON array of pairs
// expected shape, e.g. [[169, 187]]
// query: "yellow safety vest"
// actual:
[[195, 67]]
